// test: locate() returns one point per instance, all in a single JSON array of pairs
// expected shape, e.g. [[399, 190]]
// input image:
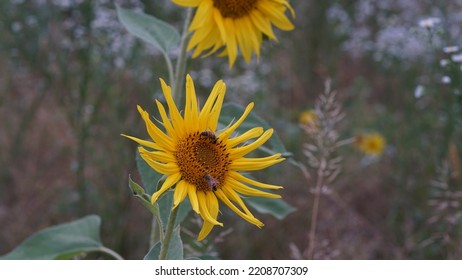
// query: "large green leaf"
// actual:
[[150, 29], [148, 175], [275, 207], [63, 241], [154, 252], [165, 207], [231, 111], [175, 248]]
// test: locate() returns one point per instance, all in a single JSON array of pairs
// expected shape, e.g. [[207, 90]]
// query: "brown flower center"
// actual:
[[234, 8], [203, 160]]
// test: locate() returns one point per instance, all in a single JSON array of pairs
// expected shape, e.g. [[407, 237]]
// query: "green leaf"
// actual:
[[231, 111], [275, 207], [148, 175], [63, 241], [175, 248], [183, 211], [165, 207], [154, 252], [150, 29], [137, 190], [145, 199]]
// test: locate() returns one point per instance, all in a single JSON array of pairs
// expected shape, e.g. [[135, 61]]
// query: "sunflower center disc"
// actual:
[[203, 161], [234, 8]]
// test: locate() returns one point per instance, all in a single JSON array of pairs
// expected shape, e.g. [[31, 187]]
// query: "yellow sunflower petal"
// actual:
[[154, 132], [202, 16], [181, 190], [233, 196], [251, 133], [191, 109], [277, 18], [145, 143], [206, 117], [242, 36], [227, 133], [231, 44], [219, 22], [158, 155], [241, 178], [192, 195], [262, 23], [287, 5], [204, 209], [254, 34], [177, 120], [242, 151], [216, 110], [221, 195], [212, 204], [245, 190], [205, 230], [249, 164], [167, 168], [168, 183], [202, 34], [187, 3], [165, 120]]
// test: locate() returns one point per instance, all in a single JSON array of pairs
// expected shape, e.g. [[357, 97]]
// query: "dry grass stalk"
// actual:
[[445, 221], [320, 151]]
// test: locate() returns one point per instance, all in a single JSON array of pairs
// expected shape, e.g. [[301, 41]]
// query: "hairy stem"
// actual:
[[314, 214], [168, 234], [181, 62], [110, 253]]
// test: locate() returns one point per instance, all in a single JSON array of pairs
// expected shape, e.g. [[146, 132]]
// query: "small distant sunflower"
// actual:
[[308, 118], [370, 144], [230, 24], [201, 163]]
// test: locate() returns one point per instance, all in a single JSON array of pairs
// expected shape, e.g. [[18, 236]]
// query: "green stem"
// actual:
[[168, 234], [314, 215], [176, 82], [181, 62], [110, 253], [170, 68], [157, 233]]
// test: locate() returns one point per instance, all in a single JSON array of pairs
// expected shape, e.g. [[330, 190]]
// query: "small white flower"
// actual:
[[457, 57], [444, 62], [446, 80], [451, 49], [429, 22], [419, 91]]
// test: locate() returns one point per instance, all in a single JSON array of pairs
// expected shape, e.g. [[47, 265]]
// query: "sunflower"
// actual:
[[308, 118], [201, 163], [370, 143], [227, 24]]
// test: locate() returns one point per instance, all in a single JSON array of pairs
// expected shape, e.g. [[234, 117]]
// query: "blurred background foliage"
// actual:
[[71, 76]]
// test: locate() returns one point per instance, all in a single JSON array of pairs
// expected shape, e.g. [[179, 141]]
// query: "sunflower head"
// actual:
[[370, 144], [308, 118], [231, 26], [202, 163]]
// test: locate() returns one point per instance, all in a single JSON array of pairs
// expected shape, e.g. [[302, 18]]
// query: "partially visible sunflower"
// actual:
[[370, 143], [229, 24], [201, 163], [308, 118]]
